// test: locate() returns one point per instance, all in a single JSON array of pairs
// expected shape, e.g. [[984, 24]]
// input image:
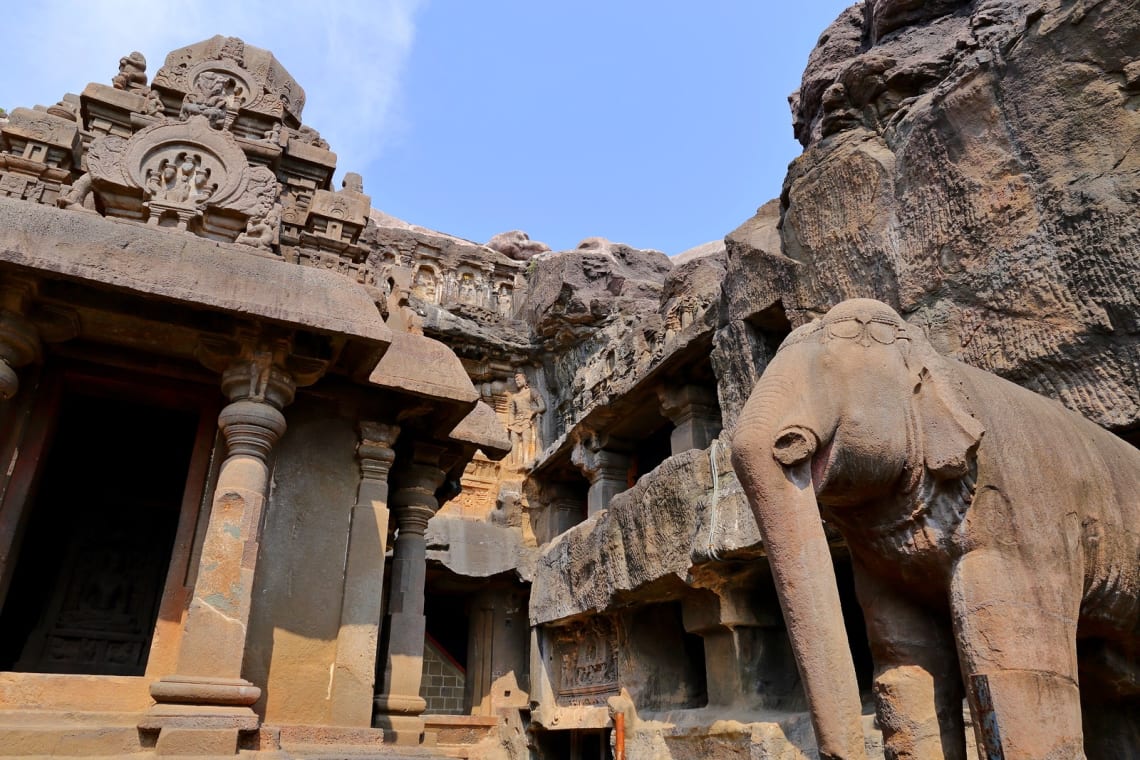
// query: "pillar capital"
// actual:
[[375, 452], [601, 457], [695, 415]]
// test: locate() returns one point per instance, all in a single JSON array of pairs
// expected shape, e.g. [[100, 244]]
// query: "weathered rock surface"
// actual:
[[571, 291], [976, 165], [516, 244], [660, 527]]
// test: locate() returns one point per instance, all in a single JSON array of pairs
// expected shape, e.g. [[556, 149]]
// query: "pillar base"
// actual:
[[196, 742], [402, 730], [202, 730], [400, 704]]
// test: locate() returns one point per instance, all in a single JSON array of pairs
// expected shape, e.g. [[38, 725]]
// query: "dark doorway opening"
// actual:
[[98, 540], [574, 744]]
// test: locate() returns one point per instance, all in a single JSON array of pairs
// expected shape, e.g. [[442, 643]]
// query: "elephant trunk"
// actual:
[[773, 463]]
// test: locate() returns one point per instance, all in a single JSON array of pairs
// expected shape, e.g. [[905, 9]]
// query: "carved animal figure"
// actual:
[[994, 537]]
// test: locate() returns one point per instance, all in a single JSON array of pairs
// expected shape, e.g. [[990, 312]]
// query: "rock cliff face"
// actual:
[[977, 165]]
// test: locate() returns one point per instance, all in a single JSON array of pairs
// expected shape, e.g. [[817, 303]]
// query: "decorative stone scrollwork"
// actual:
[[186, 175]]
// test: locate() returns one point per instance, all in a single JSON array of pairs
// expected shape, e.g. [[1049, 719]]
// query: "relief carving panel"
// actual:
[[586, 670]]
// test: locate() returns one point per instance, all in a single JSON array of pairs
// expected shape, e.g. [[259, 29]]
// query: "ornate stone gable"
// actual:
[[183, 175], [246, 77]]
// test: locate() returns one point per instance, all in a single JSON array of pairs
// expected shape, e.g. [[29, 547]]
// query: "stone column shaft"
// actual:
[[354, 677], [399, 703], [207, 701]]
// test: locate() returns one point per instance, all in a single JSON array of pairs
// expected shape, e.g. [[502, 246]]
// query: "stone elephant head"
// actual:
[[854, 407]]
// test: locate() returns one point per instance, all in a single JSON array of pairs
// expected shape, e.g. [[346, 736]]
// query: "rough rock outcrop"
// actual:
[[517, 244], [976, 165], [572, 291]]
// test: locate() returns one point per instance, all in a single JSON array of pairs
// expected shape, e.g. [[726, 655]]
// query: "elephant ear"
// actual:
[[949, 432]]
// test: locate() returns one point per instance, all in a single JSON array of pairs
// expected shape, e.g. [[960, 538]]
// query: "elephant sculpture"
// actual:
[[993, 534]]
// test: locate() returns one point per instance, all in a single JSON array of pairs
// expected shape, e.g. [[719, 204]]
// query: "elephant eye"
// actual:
[[847, 329], [882, 333]]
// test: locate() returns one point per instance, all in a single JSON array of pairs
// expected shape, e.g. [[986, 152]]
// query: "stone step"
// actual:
[[68, 740]]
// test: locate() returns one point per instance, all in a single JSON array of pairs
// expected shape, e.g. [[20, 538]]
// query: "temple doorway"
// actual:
[[99, 530]]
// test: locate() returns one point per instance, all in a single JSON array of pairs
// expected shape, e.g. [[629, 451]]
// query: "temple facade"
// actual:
[[287, 477]]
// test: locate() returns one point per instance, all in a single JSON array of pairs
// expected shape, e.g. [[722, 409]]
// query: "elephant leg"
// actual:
[[918, 685], [1015, 626]]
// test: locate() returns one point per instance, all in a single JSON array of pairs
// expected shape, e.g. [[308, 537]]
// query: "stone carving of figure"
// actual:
[[467, 289], [153, 105], [273, 134], [524, 407], [424, 284], [211, 101], [202, 187], [503, 299], [78, 193], [187, 168], [132, 72], [261, 228]]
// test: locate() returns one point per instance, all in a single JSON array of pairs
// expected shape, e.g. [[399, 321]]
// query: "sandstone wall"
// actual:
[[296, 612], [976, 165]]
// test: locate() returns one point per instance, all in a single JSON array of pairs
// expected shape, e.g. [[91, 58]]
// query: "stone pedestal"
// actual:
[[207, 702], [354, 676], [605, 464], [695, 416], [399, 704]]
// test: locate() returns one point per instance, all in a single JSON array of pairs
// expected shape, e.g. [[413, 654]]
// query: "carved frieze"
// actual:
[[181, 174], [586, 666]]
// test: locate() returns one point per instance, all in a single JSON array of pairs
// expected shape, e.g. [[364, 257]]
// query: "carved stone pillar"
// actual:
[[354, 677], [206, 703], [606, 466], [695, 416], [19, 341], [399, 704]]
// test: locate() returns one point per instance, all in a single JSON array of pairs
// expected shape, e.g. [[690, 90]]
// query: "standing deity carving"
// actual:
[[524, 407], [424, 284]]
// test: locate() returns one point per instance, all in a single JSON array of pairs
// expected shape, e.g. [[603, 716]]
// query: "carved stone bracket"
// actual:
[[19, 339], [259, 365]]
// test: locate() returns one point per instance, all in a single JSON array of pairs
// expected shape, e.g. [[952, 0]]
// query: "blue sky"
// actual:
[[658, 124]]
